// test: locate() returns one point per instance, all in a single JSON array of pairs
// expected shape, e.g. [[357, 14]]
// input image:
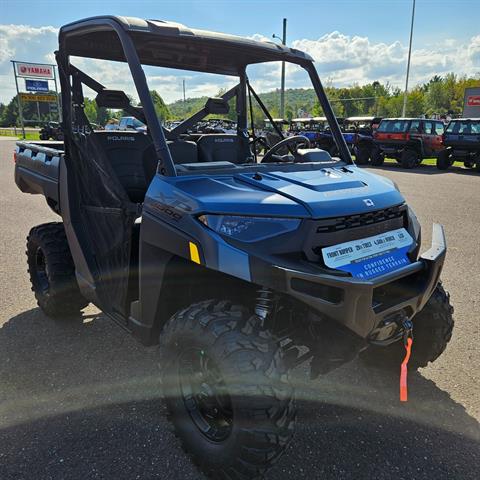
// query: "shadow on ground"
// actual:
[[80, 399]]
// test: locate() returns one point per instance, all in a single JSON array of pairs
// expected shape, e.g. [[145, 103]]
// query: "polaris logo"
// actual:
[[118, 138], [223, 140], [368, 202]]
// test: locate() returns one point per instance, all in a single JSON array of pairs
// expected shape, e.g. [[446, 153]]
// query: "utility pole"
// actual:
[[20, 111], [282, 87], [408, 62], [183, 82]]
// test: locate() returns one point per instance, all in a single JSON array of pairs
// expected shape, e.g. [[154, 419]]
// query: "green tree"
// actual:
[[10, 116], [161, 108]]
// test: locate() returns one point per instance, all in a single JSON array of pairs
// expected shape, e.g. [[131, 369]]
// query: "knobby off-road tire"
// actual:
[[377, 157], [362, 155], [432, 330], [443, 160], [52, 272], [409, 159], [224, 382]]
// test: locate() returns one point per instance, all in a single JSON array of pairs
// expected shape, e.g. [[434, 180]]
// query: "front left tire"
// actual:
[[224, 382]]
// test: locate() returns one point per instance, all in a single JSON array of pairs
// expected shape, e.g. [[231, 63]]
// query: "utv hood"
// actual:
[[322, 193]]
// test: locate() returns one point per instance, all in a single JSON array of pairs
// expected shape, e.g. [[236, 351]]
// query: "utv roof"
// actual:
[[470, 119], [302, 120], [362, 119], [411, 118], [169, 44], [276, 120]]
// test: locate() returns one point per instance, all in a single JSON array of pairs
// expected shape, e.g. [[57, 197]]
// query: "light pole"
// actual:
[[283, 39], [408, 62], [375, 86]]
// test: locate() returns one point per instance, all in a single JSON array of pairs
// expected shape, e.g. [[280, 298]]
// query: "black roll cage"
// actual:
[[131, 57]]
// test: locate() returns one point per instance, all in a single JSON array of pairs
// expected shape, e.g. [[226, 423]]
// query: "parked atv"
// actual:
[[51, 131], [461, 142], [407, 140], [240, 268], [362, 142]]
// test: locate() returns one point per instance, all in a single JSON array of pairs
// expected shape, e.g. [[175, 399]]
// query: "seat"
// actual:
[[223, 148], [133, 159], [183, 151]]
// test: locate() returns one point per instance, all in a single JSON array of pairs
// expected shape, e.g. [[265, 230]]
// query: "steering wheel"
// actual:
[[258, 144], [295, 140]]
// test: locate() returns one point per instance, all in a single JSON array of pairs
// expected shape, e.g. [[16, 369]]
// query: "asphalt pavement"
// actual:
[[81, 399]]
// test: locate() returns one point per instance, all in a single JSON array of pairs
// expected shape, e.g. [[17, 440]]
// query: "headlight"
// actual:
[[249, 229]]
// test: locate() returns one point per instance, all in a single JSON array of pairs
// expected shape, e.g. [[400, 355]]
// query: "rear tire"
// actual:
[[409, 159], [224, 383], [52, 272], [432, 330], [443, 160], [377, 157]]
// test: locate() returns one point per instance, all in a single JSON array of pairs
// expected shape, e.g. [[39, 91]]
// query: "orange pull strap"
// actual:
[[403, 371]]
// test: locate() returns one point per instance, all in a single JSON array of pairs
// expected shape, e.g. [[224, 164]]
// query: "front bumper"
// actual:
[[365, 307]]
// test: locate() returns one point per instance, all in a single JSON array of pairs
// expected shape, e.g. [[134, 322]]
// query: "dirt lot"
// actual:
[[81, 399]]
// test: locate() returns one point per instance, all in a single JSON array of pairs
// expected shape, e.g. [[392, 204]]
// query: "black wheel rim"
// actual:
[[40, 271], [205, 396]]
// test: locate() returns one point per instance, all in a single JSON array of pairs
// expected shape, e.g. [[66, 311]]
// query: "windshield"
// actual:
[[464, 127], [196, 106], [393, 126]]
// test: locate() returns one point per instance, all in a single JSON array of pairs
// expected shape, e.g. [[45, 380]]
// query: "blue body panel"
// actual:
[[349, 137], [323, 193]]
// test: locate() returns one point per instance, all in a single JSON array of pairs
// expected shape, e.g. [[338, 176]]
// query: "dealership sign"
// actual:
[[36, 85], [31, 97], [35, 70], [473, 101]]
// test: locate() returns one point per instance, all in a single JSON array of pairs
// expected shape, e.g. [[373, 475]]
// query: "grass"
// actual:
[[10, 132], [427, 161]]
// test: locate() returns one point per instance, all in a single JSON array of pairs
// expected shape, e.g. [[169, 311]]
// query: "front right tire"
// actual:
[[377, 157], [362, 155], [224, 382], [432, 330]]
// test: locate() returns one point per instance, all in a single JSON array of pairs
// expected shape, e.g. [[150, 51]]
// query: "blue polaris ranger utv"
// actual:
[[240, 267]]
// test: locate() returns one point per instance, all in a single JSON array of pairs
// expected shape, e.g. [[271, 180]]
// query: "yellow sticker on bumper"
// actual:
[[194, 255]]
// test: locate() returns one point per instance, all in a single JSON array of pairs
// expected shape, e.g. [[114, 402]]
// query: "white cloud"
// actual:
[[347, 59], [341, 60]]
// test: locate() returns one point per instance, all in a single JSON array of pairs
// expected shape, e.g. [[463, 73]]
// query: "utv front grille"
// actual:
[[332, 231], [353, 221]]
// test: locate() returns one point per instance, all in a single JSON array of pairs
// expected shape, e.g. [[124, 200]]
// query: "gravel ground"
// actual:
[[81, 400]]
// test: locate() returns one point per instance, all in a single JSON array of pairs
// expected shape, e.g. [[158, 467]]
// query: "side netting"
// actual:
[[104, 214]]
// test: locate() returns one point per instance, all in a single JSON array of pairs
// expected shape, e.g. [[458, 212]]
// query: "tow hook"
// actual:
[[407, 342]]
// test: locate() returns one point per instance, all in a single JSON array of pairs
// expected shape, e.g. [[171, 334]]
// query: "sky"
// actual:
[[352, 41]]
